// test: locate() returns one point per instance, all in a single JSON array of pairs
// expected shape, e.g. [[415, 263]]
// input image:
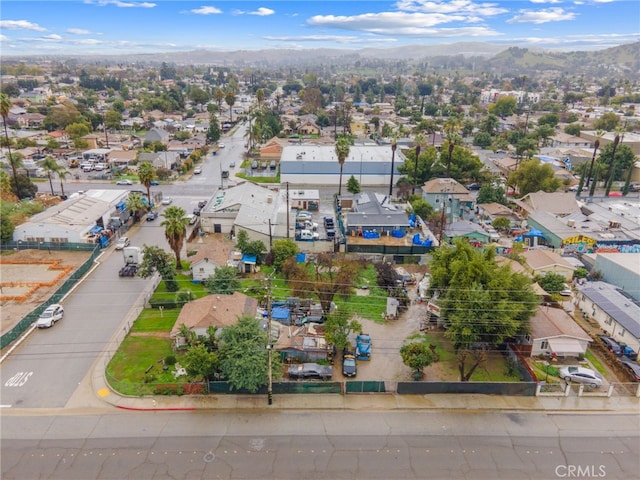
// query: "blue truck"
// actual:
[[363, 347]]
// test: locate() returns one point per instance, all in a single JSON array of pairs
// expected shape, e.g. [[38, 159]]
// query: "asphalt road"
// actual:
[[333, 445]]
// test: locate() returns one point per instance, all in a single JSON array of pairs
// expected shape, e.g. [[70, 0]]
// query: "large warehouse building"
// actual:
[[318, 165]]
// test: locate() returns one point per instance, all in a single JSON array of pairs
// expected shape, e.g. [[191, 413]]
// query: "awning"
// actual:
[[565, 345]]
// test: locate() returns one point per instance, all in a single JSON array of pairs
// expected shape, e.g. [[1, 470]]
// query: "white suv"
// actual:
[[51, 315]]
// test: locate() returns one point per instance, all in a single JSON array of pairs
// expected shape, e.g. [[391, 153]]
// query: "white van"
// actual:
[[192, 218]]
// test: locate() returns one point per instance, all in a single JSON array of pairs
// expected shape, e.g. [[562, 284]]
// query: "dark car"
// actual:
[[633, 367], [152, 215], [154, 183], [473, 186], [328, 222], [349, 365], [310, 370], [613, 346], [202, 203], [196, 211]]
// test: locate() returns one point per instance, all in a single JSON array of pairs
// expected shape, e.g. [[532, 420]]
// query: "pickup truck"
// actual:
[[310, 370]]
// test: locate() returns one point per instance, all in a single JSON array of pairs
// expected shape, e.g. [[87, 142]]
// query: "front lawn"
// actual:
[[127, 370], [154, 320]]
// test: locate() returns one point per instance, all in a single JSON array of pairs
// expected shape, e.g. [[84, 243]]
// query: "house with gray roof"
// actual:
[[614, 310], [553, 331], [374, 212], [157, 135]]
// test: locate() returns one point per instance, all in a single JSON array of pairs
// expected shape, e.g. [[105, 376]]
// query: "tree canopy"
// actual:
[[224, 280], [532, 176]]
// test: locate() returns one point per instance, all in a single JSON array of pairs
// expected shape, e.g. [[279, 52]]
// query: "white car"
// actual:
[[122, 242], [197, 171], [51, 315], [167, 201], [580, 375], [126, 181], [221, 145]]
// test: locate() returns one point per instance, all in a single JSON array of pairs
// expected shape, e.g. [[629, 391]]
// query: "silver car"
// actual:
[[580, 375], [51, 315]]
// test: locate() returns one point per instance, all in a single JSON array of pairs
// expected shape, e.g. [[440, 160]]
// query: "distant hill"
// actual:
[[616, 61]]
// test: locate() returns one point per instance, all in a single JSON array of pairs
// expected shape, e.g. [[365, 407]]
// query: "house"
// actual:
[[273, 149], [557, 203], [554, 332], [168, 160], [467, 230], [260, 211], [157, 135], [615, 311], [122, 158], [446, 191], [202, 267], [305, 344], [621, 270], [541, 262], [309, 128], [220, 311], [494, 210], [304, 199], [374, 212]]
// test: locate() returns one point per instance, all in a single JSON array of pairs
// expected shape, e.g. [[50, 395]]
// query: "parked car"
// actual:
[[122, 242], [196, 211], [574, 188], [51, 315], [634, 187], [202, 203], [154, 183], [329, 222], [580, 375], [167, 201], [613, 346], [304, 215], [221, 145], [197, 171], [633, 367], [310, 370], [232, 163], [192, 219], [473, 186], [349, 365], [152, 215], [124, 181]]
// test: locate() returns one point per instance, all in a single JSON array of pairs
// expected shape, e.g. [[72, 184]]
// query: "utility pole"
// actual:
[[269, 345], [288, 213], [443, 203], [270, 237]]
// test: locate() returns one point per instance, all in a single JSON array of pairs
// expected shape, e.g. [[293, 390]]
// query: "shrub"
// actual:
[[170, 360], [162, 302]]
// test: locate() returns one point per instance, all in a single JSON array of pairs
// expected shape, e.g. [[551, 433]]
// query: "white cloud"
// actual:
[[51, 38], [21, 25], [205, 10], [545, 1], [324, 38], [542, 16], [78, 31], [262, 12], [455, 6], [404, 24], [3, 38], [120, 4]]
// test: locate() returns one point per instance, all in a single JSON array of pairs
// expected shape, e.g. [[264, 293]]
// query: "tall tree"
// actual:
[[343, 146], [50, 166], [243, 355], [5, 108], [213, 132], [479, 301], [420, 141], [532, 176], [155, 259], [62, 176], [230, 99], [146, 175], [136, 204], [338, 327], [175, 230]]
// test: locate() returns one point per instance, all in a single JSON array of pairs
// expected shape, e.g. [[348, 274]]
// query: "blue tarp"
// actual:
[[95, 229], [252, 259], [418, 241], [534, 232], [282, 315], [301, 257], [412, 220], [370, 234], [121, 206], [397, 233]]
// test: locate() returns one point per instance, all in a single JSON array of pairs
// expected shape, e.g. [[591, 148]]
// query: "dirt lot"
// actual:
[[29, 277]]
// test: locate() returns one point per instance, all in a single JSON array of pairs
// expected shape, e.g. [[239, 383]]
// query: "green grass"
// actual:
[[185, 283], [595, 362], [126, 370], [151, 320], [274, 179]]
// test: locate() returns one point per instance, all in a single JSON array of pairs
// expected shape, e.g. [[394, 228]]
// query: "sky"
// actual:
[[74, 27]]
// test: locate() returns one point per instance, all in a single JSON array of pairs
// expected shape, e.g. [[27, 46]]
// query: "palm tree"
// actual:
[[609, 177], [342, 151], [420, 140], [62, 175], [5, 107], [175, 230], [596, 145], [230, 99], [146, 174], [136, 204], [50, 166], [218, 95]]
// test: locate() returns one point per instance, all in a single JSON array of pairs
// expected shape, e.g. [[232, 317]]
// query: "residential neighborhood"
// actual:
[[319, 240]]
